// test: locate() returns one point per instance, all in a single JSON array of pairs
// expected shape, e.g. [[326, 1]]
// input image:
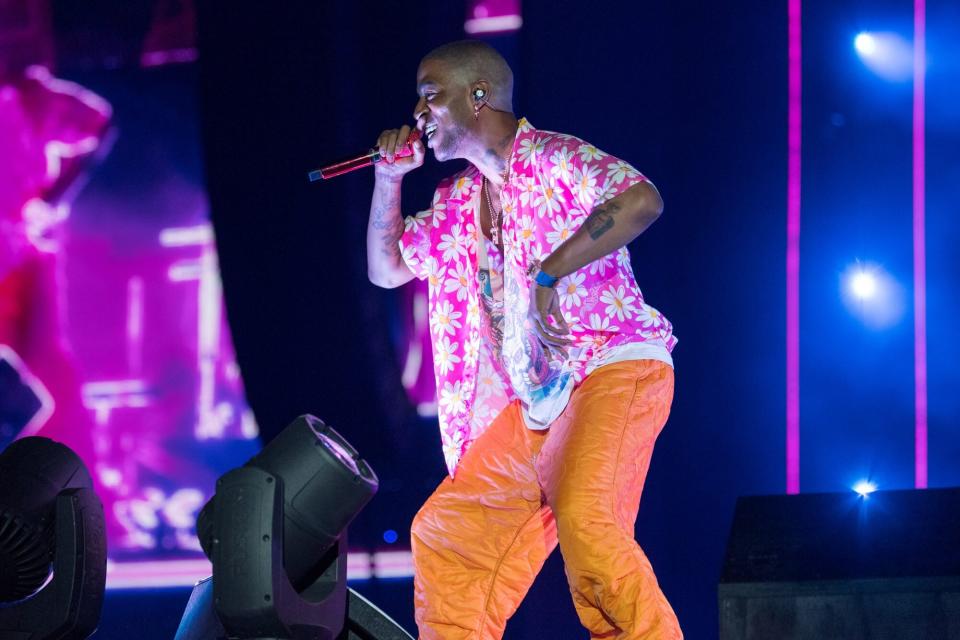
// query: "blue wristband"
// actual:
[[544, 279]]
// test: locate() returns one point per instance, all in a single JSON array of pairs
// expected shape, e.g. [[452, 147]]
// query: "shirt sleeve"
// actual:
[[415, 242], [591, 175]]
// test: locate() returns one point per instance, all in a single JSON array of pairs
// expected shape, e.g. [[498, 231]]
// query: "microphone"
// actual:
[[365, 159]]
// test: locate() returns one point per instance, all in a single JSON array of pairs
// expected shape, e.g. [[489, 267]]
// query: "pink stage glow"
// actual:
[[186, 573], [47, 404], [793, 245], [393, 564], [919, 248], [492, 16]]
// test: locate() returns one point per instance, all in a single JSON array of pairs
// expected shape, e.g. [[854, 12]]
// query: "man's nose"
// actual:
[[420, 107]]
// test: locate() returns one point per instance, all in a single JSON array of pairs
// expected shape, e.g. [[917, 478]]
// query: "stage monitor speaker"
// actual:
[[841, 566]]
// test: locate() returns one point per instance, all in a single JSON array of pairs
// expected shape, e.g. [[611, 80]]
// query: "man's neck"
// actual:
[[495, 147]]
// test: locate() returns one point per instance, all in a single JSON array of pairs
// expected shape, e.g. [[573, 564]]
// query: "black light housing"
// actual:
[[50, 517], [275, 532]]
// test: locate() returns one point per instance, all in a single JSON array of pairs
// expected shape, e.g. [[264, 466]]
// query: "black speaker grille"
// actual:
[[25, 556]]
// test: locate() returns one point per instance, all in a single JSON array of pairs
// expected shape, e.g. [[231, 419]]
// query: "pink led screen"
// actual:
[[113, 335]]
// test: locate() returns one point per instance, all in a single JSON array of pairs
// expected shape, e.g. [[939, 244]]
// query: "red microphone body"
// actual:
[[365, 159]]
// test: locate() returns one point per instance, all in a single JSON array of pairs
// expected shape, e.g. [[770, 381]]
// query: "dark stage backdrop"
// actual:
[[693, 94]]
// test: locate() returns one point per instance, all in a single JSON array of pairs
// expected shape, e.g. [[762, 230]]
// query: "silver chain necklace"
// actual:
[[494, 215]]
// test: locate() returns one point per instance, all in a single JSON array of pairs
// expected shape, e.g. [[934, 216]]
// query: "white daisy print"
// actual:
[[649, 317], [537, 252], [461, 187], [445, 355], [561, 169], [585, 183], [601, 265], [435, 273], [589, 152], [453, 244], [620, 170], [571, 290], [605, 192], [530, 150], [452, 444], [445, 319], [473, 313], [471, 349], [417, 221], [458, 280], [548, 200], [409, 255], [619, 303], [486, 380], [439, 209], [601, 323], [561, 231], [526, 230], [528, 191]]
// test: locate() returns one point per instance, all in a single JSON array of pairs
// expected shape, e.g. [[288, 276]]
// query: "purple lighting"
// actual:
[[919, 247], [793, 246], [492, 16]]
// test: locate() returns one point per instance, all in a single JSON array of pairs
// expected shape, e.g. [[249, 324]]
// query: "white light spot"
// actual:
[[865, 44], [864, 488], [863, 284]]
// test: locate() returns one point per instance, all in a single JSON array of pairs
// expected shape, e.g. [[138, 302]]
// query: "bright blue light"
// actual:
[[865, 44], [390, 536], [864, 488], [863, 285], [888, 55], [871, 294]]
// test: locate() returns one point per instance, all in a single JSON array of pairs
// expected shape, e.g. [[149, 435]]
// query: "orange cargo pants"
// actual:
[[480, 539]]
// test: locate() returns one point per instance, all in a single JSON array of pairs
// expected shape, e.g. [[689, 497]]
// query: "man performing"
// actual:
[[554, 377]]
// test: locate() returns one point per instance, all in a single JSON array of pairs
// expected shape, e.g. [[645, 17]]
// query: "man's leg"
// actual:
[[480, 539], [592, 468]]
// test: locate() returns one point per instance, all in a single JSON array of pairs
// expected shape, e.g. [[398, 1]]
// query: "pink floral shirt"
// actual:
[[554, 182]]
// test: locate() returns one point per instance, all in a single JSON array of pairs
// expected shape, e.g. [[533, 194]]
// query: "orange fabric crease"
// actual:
[[480, 539]]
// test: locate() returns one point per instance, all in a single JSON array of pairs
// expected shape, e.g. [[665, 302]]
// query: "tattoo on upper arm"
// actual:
[[390, 245], [601, 220]]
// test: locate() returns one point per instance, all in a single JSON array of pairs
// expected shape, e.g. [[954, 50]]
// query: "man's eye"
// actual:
[[430, 96]]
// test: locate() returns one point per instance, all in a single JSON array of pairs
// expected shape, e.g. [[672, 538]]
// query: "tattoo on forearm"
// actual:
[[385, 216], [386, 212], [601, 220]]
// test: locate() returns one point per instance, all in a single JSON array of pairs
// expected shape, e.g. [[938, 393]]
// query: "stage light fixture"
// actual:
[[275, 531], [50, 518]]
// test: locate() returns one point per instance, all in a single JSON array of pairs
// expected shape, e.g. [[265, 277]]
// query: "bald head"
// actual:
[[471, 61]]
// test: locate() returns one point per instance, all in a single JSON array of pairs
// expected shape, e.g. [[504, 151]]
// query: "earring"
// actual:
[[478, 102]]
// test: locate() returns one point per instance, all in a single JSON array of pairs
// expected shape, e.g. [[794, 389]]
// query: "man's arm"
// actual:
[[385, 266], [609, 226]]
